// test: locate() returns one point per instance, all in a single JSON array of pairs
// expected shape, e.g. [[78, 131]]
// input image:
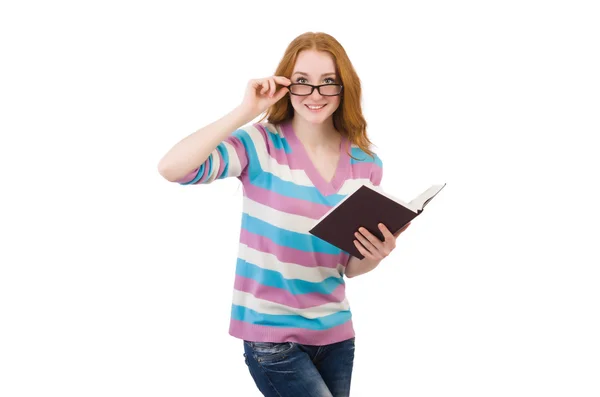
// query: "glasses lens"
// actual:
[[300, 89], [330, 89]]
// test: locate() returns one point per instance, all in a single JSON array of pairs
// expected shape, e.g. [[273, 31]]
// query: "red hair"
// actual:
[[348, 119]]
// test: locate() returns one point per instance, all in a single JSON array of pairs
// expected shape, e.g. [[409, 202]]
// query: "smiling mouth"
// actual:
[[312, 107]]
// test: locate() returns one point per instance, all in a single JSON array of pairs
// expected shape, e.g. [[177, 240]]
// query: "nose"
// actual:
[[315, 96]]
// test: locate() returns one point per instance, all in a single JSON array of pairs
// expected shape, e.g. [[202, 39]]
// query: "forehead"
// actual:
[[314, 63]]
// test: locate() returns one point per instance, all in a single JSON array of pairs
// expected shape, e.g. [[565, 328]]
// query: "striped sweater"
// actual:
[[289, 285]]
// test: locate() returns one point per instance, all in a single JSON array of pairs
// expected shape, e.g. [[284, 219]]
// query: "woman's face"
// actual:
[[314, 67]]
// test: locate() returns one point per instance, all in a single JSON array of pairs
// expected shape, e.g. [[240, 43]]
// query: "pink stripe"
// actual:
[[263, 333], [206, 166], [284, 297], [377, 175], [283, 203], [292, 255], [278, 154], [362, 170], [189, 176]]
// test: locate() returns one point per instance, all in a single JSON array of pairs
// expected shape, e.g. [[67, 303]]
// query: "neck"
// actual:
[[316, 135]]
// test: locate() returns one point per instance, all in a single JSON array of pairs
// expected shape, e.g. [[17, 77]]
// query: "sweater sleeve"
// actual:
[[376, 171], [235, 155]]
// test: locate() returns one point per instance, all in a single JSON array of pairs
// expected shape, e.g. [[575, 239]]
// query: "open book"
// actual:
[[367, 207]]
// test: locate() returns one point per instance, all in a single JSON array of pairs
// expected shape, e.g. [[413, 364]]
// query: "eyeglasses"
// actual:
[[307, 89]]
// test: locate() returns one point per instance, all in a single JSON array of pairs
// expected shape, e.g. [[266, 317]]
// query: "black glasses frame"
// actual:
[[318, 87]]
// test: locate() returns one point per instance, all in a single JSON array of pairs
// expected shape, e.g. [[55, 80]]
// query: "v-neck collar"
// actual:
[[325, 187]]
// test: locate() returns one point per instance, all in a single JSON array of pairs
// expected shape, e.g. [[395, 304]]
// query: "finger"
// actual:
[[386, 232], [366, 243], [363, 251], [282, 80], [272, 86], [281, 93], [372, 238], [259, 85], [265, 86]]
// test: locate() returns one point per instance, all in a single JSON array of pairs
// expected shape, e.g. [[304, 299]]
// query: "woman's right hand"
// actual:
[[263, 93]]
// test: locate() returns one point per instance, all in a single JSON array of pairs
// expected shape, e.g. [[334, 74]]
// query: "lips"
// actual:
[[316, 107]]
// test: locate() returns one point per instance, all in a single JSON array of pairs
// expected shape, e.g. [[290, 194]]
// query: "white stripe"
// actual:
[[216, 162], [351, 185], [290, 271], [235, 167], [249, 301], [283, 220], [269, 164]]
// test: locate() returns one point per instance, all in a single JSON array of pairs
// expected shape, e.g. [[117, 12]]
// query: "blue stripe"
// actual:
[[272, 278], [363, 157], [225, 156], [287, 238], [278, 141], [269, 181], [210, 165], [242, 313]]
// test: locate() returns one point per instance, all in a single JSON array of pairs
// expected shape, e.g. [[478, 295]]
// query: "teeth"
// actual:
[[315, 107]]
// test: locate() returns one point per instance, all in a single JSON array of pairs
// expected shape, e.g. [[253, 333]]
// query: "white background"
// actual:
[[115, 282]]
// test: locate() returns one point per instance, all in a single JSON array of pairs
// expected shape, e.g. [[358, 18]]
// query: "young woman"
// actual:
[[289, 305]]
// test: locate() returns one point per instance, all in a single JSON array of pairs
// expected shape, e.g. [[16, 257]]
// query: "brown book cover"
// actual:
[[368, 207]]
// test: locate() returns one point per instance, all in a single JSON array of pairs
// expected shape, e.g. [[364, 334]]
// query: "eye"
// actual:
[[300, 78], [332, 80]]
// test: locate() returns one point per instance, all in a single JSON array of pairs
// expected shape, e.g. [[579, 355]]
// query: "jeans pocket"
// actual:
[[270, 351]]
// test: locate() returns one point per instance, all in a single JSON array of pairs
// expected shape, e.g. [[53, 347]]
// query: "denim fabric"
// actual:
[[292, 369]]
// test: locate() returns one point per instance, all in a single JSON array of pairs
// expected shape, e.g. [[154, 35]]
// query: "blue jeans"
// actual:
[[292, 369]]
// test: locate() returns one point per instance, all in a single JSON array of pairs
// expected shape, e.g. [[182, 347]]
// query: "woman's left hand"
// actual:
[[371, 247]]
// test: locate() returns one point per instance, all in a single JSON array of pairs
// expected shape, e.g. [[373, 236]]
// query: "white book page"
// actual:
[[419, 202], [396, 199]]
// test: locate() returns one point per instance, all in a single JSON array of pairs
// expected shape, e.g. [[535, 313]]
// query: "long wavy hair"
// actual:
[[348, 119]]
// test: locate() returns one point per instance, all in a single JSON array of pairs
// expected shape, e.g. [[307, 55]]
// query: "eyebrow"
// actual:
[[324, 74]]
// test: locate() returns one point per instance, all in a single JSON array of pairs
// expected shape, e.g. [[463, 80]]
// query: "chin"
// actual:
[[316, 119]]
